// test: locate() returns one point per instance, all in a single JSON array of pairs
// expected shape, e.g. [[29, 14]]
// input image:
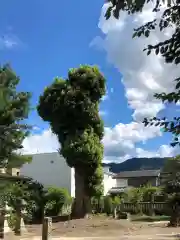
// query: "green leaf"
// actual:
[[165, 24], [162, 50], [172, 125], [147, 32], [148, 52], [139, 33], [134, 35], [169, 59], [177, 60], [157, 51], [108, 12], [178, 85], [165, 49]]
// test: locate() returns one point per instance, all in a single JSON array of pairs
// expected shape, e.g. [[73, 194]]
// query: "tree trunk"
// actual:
[[81, 205], [17, 228], [2, 219], [175, 217]]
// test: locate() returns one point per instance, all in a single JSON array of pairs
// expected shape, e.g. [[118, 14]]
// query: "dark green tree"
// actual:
[[71, 107], [171, 187], [14, 109], [168, 49]]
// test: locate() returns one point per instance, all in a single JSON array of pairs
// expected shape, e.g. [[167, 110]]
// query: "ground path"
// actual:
[[100, 228], [123, 237]]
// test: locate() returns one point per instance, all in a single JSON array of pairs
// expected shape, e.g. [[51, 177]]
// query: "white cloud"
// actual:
[[119, 142], [9, 41], [163, 151], [40, 143], [111, 90], [102, 113], [97, 42], [105, 97], [142, 76]]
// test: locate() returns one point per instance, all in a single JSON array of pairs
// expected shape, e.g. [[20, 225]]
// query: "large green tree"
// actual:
[[14, 109], [169, 49], [71, 107]]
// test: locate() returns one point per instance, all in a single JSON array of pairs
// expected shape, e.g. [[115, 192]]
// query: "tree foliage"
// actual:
[[171, 182], [56, 198], [71, 107], [169, 49], [108, 205], [171, 172], [133, 195], [14, 109]]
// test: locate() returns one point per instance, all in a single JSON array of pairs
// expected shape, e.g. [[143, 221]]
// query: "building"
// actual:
[[51, 169], [10, 177], [139, 178], [109, 180]]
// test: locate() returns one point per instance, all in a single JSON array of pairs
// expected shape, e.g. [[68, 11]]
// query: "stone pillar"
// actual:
[[4, 227], [115, 213], [19, 225], [46, 228]]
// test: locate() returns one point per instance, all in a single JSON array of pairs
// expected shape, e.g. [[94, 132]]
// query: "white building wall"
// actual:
[[72, 182], [108, 182], [50, 169]]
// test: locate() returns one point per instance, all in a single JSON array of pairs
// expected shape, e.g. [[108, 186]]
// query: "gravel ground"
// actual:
[[103, 229]]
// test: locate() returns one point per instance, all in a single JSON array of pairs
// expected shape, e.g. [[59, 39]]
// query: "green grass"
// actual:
[[145, 218]]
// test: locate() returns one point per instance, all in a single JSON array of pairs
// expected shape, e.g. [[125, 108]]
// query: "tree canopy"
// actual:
[[14, 109], [171, 187], [71, 107], [168, 49]]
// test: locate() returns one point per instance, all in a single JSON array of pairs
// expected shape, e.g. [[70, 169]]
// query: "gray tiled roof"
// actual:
[[117, 190], [10, 177], [139, 173]]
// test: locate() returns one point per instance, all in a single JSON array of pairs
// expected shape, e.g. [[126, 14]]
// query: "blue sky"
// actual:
[[50, 41], [43, 39]]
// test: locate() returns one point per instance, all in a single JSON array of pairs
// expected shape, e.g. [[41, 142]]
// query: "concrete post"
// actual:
[[47, 228], [115, 213]]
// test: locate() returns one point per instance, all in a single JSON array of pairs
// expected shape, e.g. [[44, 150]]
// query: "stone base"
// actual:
[[7, 229], [23, 227]]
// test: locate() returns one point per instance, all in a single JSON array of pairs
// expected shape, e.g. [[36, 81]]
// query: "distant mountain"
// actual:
[[134, 164]]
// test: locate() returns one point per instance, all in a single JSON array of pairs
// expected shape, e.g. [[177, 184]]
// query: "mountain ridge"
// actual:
[[134, 164]]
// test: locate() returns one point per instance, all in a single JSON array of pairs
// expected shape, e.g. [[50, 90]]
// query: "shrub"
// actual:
[[97, 204], [148, 193], [116, 201], [11, 219], [39, 201], [56, 198], [108, 205], [36, 201]]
